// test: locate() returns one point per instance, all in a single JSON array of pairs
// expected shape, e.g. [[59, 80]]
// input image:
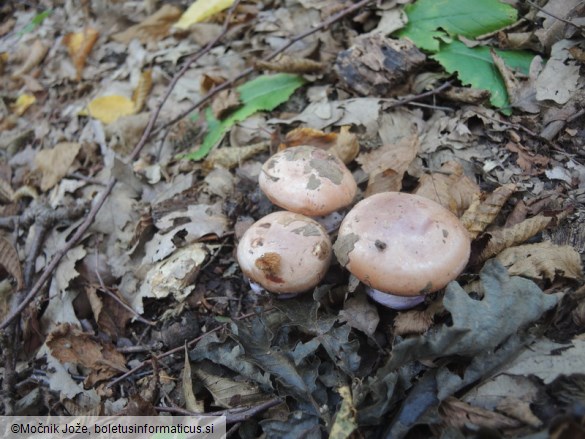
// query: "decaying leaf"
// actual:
[[109, 315], [360, 314], [10, 262], [224, 103], [387, 164], [345, 422], [110, 108], [79, 46], [54, 163], [288, 64], [343, 144], [510, 236], [544, 260], [191, 402], [201, 10], [69, 344], [227, 392], [142, 90], [231, 157], [36, 54], [416, 321], [458, 414], [22, 103], [482, 212], [449, 187], [509, 303], [152, 28]]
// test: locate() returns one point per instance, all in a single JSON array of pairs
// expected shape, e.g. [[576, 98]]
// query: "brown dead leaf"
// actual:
[[142, 90], [344, 144], [510, 236], [55, 163], [387, 164], [531, 164], [225, 102], [191, 402], [449, 187], [289, 64], [110, 317], [36, 54], [69, 344], [520, 410], [152, 28], [482, 212], [544, 260], [10, 261], [458, 414], [229, 158], [79, 45], [414, 321]]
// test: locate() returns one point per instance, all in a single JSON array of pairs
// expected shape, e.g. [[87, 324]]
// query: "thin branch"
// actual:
[[544, 11]]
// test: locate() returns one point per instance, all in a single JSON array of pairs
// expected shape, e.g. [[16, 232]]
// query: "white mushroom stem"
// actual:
[[259, 289], [393, 301]]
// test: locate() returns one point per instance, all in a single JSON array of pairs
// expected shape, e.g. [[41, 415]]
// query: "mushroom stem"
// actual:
[[392, 301], [331, 221]]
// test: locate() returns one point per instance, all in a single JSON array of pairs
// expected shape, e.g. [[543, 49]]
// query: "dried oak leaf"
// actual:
[[10, 262], [544, 260], [482, 212], [69, 344], [509, 303]]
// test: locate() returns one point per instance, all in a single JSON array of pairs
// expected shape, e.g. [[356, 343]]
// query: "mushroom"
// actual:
[[285, 253], [402, 247], [308, 180]]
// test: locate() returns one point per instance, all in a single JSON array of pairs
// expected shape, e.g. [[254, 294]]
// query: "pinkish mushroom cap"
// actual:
[[402, 244], [307, 180], [285, 252]]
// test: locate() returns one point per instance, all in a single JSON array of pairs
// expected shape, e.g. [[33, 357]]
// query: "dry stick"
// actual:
[[47, 272], [544, 11]]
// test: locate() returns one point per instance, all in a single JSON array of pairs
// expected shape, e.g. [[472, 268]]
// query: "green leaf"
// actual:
[[476, 67], [432, 20], [35, 22], [264, 93]]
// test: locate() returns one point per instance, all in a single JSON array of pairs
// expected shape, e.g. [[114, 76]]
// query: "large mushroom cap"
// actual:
[[285, 252], [307, 180], [402, 244]]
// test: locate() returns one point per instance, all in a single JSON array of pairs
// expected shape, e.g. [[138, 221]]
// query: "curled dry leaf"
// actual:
[[55, 163], [544, 260], [142, 90], [69, 344], [508, 237], [231, 157], [416, 321], [449, 187], [387, 164], [459, 414], [343, 144], [191, 402], [79, 46], [289, 64], [152, 28], [10, 262], [36, 54], [482, 212]]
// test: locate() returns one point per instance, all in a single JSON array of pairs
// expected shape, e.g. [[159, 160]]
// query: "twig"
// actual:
[[544, 11], [432, 92], [235, 415]]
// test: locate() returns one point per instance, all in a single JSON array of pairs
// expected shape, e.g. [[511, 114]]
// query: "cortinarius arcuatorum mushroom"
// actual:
[[285, 252], [307, 180], [402, 246]]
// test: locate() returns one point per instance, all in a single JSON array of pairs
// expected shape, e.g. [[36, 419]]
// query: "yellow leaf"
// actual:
[[109, 108], [201, 10], [22, 103]]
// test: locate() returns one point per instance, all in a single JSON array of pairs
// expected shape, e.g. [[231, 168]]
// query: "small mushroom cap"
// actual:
[[285, 252], [402, 244], [307, 180]]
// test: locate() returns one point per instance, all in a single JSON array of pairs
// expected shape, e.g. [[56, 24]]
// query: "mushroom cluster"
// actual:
[[289, 252], [401, 246]]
